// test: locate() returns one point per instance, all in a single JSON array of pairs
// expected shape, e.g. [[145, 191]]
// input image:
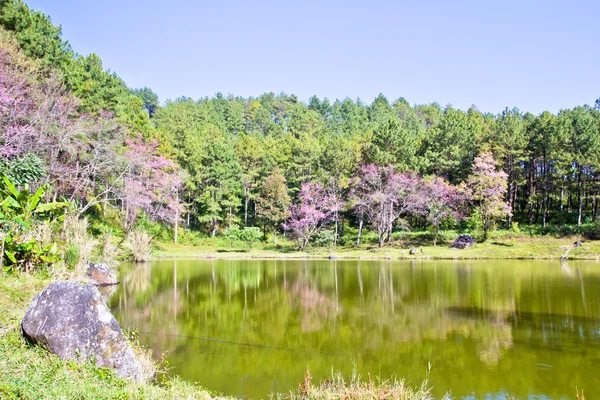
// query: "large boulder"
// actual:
[[72, 320], [101, 274], [463, 242]]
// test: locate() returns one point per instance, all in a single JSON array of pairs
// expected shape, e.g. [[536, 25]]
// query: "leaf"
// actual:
[[11, 256], [10, 202], [50, 206], [10, 186], [35, 199], [49, 260]]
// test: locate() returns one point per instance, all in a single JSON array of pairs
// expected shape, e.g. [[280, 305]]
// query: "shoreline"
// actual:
[[550, 249]]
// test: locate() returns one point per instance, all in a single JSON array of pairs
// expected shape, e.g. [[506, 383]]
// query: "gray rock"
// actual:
[[71, 320], [101, 274], [463, 242]]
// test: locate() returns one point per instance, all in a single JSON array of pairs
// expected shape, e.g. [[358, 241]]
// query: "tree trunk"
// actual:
[[246, 201], [360, 227], [213, 228], [335, 237], [579, 194]]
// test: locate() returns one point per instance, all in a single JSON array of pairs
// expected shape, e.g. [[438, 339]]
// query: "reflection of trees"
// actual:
[[375, 313], [314, 307]]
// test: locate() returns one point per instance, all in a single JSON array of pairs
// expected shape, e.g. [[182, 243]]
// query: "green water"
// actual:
[[248, 328]]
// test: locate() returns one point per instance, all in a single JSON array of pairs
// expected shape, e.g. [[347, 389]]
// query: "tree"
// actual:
[[149, 99], [438, 200], [219, 181], [511, 142], [486, 189], [310, 215], [249, 149], [151, 185], [383, 196], [583, 144], [273, 202]]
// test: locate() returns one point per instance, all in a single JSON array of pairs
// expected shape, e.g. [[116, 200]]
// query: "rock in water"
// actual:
[[463, 242], [101, 274], [71, 320]]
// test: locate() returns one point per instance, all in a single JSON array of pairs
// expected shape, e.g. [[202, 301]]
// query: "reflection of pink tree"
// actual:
[[437, 201], [310, 215], [382, 195], [315, 306]]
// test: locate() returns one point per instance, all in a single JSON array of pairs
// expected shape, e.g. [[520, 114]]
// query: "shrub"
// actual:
[[248, 235], [23, 246]]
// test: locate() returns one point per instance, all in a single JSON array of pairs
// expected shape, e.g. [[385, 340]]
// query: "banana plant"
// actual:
[[18, 210]]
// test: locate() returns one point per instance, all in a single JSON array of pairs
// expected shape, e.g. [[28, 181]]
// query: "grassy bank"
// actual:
[[33, 373], [503, 247]]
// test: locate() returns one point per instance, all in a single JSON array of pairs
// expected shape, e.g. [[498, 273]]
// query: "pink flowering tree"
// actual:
[[438, 201], [381, 196], [312, 213], [486, 189], [152, 184]]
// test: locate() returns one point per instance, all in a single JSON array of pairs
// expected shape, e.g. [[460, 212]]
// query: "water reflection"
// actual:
[[252, 327]]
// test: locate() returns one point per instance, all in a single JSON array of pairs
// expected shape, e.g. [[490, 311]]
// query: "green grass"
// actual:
[[502, 246], [30, 372]]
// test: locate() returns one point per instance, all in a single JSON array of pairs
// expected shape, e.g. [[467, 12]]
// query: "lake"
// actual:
[[481, 328]]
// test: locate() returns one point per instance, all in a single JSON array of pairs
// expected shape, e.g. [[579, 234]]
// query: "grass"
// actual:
[[33, 373], [30, 372], [499, 247], [337, 387]]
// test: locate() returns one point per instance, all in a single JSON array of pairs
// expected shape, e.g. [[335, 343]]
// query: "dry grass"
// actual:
[[337, 387], [75, 234], [42, 233], [109, 248], [140, 245]]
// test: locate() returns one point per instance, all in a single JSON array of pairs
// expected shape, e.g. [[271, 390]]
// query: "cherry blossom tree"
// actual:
[[437, 201], [486, 188], [310, 215], [151, 184], [382, 196]]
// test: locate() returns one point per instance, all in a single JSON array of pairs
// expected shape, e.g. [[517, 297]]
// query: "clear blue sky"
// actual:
[[535, 55]]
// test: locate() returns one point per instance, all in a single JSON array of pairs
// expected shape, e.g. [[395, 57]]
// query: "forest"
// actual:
[[75, 134]]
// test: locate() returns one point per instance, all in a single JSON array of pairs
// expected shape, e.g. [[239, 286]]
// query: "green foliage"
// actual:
[[229, 148], [20, 210], [324, 238], [247, 234], [71, 256], [515, 227], [28, 169]]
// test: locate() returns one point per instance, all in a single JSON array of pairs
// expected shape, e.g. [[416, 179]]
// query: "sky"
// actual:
[[534, 55]]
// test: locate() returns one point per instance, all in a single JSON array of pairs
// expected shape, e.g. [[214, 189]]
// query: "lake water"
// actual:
[[251, 327]]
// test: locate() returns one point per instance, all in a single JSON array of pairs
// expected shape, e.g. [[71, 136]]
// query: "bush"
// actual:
[[324, 238], [247, 234], [24, 229]]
